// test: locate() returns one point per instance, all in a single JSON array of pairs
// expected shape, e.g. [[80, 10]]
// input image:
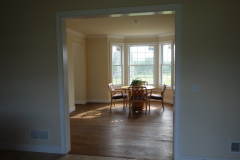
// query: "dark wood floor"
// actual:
[[97, 131]]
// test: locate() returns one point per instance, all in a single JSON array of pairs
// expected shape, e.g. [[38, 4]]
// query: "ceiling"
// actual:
[[124, 26]]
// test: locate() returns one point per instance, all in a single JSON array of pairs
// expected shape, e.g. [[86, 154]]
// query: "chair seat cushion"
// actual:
[[155, 96], [138, 98], [119, 96]]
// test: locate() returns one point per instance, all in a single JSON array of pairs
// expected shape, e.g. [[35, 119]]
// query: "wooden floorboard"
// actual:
[[98, 131]]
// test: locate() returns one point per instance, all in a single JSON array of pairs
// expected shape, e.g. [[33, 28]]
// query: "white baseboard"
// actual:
[[109, 100], [72, 109], [203, 158], [31, 148], [165, 101], [80, 102], [99, 100]]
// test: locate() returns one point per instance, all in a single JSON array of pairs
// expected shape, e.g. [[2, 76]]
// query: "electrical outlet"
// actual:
[[195, 88]]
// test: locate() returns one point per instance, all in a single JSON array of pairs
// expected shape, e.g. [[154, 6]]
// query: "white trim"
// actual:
[[166, 35], [76, 33], [143, 36], [62, 76], [63, 84], [178, 78], [99, 100], [80, 102], [204, 158], [72, 109], [31, 148], [100, 36]]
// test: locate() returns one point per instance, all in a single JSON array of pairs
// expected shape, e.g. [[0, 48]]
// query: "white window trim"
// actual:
[[122, 62], [160, 63], [154, 55]]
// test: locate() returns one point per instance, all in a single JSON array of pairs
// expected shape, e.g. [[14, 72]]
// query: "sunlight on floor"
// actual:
[[94, 113], [116, 121]]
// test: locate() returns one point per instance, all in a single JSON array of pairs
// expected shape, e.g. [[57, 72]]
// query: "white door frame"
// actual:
[[63, 73]]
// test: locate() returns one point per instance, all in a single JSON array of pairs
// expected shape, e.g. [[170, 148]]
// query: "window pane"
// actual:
[[133, 71], [149, 74], [118, 58], [142, 49], [166, 54], [141, 71], [133, 49], [166, 76], [116, 75], [141, 61], [141, 55], [149, 80], [133, 55]]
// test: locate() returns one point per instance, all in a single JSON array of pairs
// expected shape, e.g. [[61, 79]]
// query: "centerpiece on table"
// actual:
[[137, 82]]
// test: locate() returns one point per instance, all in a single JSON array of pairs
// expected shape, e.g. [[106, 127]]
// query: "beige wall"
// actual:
[[97, 69], [210, 57], [77, 78]]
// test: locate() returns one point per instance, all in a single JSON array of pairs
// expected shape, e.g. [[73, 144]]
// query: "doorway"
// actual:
[[62, 66]]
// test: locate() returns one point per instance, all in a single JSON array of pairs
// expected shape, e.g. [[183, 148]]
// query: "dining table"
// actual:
[[138, 105]]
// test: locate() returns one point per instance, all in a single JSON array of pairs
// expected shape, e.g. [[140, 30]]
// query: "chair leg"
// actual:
[[129, 106], [115, 102], [146, 103], [111, 104], [162, 104], [149, 104]]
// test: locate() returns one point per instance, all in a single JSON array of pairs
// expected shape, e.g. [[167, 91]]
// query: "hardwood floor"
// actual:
[[98, 131], [23, 155]]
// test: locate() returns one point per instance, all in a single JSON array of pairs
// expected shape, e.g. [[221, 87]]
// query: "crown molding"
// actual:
[[166, 35], [131, 37], [118, 37], [100, 36], [143, 36], [76, 33]]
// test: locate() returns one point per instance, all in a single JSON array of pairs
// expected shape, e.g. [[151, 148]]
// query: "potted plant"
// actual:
[[136, 82]]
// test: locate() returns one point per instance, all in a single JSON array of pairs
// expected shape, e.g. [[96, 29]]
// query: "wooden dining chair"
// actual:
[[115, 96], [145, 83], [137, 94], [157, 96]]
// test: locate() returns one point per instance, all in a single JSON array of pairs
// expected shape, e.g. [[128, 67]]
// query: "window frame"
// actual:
[[122, 63], [154, 60], [161, 63]]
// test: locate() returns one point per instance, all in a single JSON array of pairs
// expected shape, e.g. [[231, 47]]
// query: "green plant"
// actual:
[[136, 82]]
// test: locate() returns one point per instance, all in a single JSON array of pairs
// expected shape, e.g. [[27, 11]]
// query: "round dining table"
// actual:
[[139, 105]]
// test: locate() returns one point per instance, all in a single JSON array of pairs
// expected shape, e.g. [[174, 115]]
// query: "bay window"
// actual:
[[149, 62]]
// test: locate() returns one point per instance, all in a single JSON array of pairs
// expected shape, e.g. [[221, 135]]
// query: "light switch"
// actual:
[[195, 88]]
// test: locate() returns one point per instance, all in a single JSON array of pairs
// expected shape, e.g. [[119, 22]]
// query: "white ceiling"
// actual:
[[124, 26]]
